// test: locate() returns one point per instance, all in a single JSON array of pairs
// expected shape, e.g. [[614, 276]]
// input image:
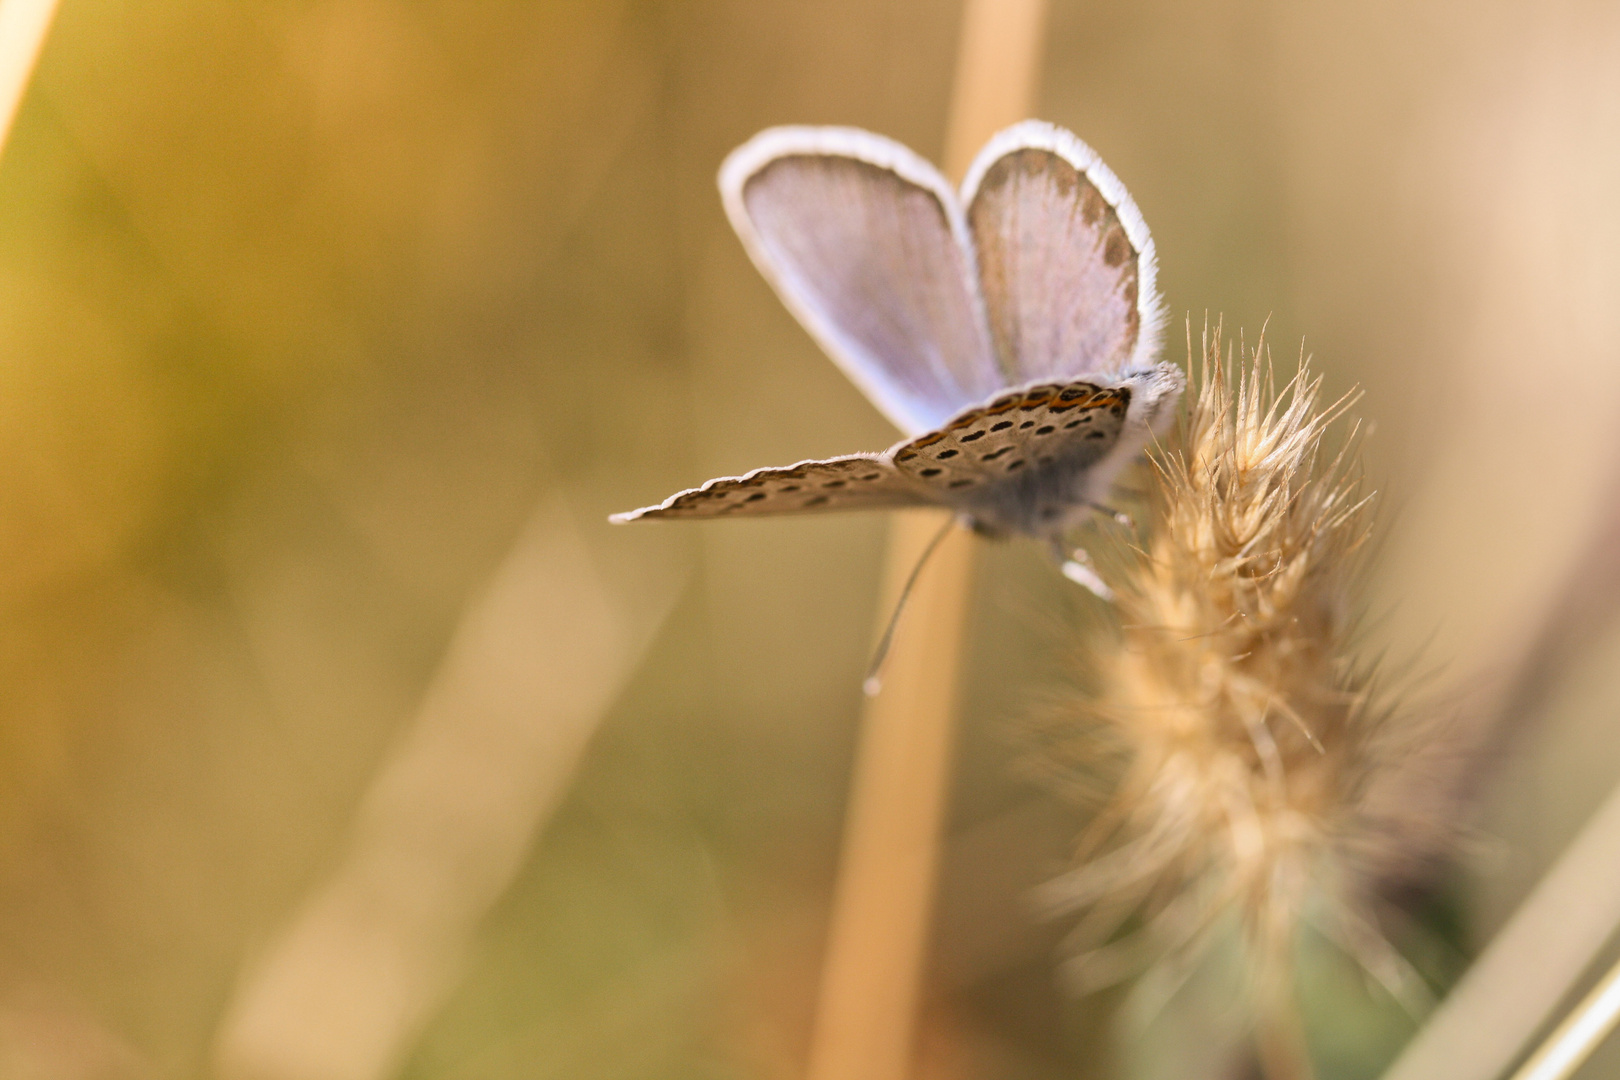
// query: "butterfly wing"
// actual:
[[1025, 429], [865, 243], [856, 482], [1025, 461], [1051, 270], [1066, 263]]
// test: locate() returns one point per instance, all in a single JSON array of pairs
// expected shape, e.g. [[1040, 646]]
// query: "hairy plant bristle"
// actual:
[[1248, 734]]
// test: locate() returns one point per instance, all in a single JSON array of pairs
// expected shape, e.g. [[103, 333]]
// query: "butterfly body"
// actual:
[[1011, 330], [1038, 461]]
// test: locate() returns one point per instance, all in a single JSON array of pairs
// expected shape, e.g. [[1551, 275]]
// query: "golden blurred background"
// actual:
[[343, 738]]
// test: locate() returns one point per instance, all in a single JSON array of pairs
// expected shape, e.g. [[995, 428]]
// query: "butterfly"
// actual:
[[1011, 331]]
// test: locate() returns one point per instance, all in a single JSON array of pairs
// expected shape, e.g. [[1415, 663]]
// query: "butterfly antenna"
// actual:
[[873, 683]]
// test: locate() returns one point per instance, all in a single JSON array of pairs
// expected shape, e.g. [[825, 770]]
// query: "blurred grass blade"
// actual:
[[1535, 960], [1582, 1031], [448, 820], [23, 26], [1528, 967]]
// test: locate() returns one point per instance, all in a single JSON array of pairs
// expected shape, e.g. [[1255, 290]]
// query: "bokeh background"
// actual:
[[331, 330]]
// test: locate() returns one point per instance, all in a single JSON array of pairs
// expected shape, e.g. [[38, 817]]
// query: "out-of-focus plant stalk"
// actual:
[[23, 26], [1582, 1031], [998, 66], [877, 940], [1530, 964], [535, 661], [1535, 960]]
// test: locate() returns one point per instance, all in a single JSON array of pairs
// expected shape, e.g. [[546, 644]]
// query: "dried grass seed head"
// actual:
[[1248, 730]]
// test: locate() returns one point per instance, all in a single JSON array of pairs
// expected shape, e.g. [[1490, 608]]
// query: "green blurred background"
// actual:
[[306, 305]]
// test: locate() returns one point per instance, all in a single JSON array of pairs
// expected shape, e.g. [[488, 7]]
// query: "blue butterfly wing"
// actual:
[[865, 243], [1066, 262]]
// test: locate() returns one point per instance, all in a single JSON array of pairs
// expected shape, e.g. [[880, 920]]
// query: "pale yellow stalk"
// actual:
[[883, 903], [1580, 1033]]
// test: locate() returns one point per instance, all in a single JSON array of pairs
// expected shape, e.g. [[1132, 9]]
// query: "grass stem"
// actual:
[[877, 939], [1581, 1032]]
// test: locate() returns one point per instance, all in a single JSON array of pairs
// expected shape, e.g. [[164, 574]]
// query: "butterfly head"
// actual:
[[1155, 390]]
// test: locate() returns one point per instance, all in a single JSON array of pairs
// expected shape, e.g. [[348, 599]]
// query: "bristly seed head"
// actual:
[[1248, 736]]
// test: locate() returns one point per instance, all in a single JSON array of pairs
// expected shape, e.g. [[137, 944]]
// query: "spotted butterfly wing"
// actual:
[[1038, 427], [856, 482], [1022, 462], [1012, 464]]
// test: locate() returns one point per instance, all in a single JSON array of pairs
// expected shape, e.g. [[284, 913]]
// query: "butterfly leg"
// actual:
[[1076, 566], [1119, 516]]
